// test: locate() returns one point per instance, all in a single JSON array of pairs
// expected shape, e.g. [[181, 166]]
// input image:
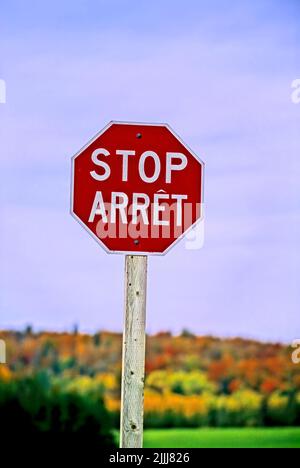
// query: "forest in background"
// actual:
[[191, 381]]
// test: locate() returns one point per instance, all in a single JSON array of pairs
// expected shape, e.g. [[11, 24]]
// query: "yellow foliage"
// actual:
[[5, 373], [187, 383], [82, 384], [112, 404], [277, 401], [108, 381]]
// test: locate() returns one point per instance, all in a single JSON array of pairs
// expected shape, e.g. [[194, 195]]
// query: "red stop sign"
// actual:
[[136, 188]]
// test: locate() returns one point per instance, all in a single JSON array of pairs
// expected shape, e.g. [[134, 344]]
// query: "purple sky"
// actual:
[[220, 74]]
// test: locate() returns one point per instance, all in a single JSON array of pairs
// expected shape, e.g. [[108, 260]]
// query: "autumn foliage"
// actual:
[[190, 380]]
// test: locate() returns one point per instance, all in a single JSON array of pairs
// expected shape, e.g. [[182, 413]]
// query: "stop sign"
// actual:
[[137, 188]]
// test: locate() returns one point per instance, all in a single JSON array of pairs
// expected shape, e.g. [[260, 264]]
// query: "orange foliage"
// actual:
[[218, 370], [270, 385], [235, 385], [5, 373], [226, 365]]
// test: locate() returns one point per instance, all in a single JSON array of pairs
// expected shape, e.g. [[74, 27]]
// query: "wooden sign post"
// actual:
[[133, 365]]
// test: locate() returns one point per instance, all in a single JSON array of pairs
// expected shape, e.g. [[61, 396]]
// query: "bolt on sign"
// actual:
[[137, 189]]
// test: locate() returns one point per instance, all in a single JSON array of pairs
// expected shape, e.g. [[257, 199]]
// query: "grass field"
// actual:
[[223, 438]]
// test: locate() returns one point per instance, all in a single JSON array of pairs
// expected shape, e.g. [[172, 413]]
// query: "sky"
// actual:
[[220, 74]]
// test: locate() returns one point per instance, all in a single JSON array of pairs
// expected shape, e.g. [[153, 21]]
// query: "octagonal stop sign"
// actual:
[[137, 188]]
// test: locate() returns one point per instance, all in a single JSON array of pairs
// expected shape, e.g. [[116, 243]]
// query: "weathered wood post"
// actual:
[[133, 361]]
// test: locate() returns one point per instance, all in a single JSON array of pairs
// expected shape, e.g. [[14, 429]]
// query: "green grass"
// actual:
[[223, 438]]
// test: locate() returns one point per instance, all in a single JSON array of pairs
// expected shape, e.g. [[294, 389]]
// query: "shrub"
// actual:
[[30, 406], [283, 409]]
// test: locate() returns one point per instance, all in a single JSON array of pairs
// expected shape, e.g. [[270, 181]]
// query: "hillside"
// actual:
[[190, 380]]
